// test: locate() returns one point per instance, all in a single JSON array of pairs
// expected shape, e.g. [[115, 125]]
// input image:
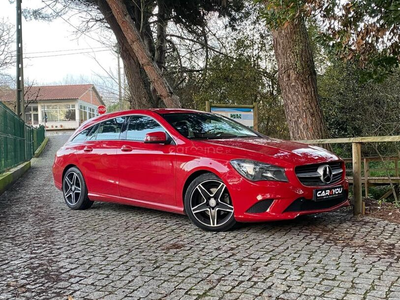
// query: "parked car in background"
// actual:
[[209, 167]]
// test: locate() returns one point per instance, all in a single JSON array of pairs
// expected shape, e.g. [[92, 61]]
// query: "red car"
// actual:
[[209, 167]]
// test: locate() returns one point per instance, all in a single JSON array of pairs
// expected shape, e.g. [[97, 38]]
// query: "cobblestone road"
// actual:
[[48, 251]]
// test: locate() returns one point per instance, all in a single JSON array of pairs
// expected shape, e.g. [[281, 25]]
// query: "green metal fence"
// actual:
[[18, 141], [38, 135]]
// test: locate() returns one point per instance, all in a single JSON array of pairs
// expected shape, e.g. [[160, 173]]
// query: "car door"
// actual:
[[147, 170], [97, 158]]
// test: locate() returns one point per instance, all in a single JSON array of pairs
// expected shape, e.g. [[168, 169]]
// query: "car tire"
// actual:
[[208, 204], [74, 190]]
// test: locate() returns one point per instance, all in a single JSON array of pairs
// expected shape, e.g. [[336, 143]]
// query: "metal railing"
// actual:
[[38, 136], [18, 141]]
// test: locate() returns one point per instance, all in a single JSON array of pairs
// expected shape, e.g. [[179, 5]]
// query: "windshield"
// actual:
[[207, 126]]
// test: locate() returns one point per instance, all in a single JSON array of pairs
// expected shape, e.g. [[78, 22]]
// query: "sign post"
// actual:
[[244, 114]]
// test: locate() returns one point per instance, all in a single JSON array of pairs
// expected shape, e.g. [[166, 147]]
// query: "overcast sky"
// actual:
[[50, 49]]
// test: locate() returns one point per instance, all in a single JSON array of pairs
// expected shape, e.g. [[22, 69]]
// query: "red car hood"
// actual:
[[291, 152]]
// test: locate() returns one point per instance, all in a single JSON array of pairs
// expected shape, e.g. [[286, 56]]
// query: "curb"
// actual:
[[12, 175], [41, 147]]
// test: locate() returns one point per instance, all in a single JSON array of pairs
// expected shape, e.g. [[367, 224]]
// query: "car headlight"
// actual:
[[255, 170]]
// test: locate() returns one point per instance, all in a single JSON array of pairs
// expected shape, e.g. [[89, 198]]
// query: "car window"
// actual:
[[207, 126], [108, 130], [81, 137], [139, 126], [91, 136]]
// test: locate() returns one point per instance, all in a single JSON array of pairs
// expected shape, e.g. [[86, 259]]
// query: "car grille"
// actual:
[[309, 175], [302, 204]]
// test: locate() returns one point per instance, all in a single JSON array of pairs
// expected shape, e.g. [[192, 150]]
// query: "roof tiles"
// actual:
[[53, 92]]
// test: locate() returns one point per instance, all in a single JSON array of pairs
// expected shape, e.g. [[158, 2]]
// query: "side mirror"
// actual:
[[157, 137]]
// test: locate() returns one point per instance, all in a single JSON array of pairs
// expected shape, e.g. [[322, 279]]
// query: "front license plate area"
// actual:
[[328, 193]]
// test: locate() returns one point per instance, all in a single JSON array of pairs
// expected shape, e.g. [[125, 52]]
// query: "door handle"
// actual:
[[126, 148], [88, 149]]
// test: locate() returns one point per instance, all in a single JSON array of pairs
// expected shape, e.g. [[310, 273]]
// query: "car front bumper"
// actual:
[[271, 201]]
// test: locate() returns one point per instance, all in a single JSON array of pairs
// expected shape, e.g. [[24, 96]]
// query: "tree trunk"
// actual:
[[159, 56], [298, 81], [136, 44], [137, 87]]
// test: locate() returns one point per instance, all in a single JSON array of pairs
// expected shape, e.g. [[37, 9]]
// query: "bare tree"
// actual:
[[7, 33], [7, 59], [149, 21]]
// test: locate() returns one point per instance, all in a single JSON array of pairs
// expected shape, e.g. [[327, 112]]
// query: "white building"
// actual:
[[57, 107]]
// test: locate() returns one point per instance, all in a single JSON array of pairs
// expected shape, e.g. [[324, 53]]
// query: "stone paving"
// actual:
[[48, 251]]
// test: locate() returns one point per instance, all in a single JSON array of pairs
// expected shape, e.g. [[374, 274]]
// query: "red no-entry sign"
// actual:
[[101, 110]]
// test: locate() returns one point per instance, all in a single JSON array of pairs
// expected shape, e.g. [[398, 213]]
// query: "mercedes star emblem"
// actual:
[[325, 172]]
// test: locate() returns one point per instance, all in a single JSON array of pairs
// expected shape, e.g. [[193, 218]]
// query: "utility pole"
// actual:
[[20, 65]]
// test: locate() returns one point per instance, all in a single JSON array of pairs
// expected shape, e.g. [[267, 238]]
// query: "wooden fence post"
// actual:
[[357, 179], [366, 175], [208, 106]]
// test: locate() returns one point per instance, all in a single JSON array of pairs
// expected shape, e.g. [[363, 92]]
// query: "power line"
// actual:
[[65, 54], [67, 50], [52, 53], [58, 55]]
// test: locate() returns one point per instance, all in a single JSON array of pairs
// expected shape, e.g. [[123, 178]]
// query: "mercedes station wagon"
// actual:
[[209, 167]]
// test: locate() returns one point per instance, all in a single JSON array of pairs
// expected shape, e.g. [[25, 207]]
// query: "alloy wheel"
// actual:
[[72, 188], [210, 203]]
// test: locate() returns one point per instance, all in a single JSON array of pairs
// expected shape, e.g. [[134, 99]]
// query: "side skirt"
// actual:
[[134, 202]]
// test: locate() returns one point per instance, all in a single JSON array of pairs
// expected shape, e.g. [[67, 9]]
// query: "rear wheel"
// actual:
[[208, 203], [74, 190]]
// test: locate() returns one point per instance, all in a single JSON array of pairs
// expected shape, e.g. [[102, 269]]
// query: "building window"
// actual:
[[82, 113], [32, 115], [86, 113], [92, 113], [58, 112]]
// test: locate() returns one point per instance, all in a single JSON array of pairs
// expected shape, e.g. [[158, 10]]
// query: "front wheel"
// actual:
[[74, 190], [208, 203]]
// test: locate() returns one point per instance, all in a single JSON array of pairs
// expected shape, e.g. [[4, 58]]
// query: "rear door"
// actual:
[[97, 158], [147, 170]]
